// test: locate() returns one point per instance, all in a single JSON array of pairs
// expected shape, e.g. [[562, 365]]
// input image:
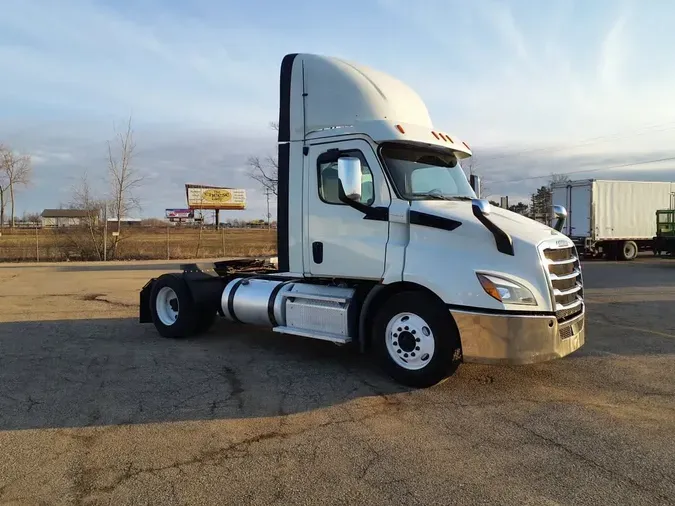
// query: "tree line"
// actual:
[[116, 198]]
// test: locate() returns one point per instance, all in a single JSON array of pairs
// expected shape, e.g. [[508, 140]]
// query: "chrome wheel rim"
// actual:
[[166, 305], [410, 341], [630, 251]]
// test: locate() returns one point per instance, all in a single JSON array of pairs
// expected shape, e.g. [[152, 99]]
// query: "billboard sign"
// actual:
[[215, 197], [179, 213]]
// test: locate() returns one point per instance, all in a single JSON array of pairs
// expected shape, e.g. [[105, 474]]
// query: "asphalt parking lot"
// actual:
[[98, 409]]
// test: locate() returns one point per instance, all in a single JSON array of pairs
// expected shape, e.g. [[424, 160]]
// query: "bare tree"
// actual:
[[16, 170], [88, 238], [32, 218], [124, 177], [559, 178], [471, 165], [265, 170], [4, 187]]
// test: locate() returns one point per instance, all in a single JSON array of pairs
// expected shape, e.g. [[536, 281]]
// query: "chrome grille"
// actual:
[[566, 332], [564, 272]]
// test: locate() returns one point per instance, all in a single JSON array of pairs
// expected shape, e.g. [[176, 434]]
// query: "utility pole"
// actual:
[[267, 194], [105, 231]]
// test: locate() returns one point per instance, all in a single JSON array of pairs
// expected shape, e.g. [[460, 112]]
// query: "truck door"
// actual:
[[342, 241], [580, 211]]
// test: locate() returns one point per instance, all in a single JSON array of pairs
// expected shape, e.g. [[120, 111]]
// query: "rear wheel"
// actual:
[[416, 340], [629, 250], [173, 311]]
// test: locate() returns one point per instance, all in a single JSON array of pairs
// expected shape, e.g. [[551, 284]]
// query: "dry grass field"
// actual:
[[135, 244]]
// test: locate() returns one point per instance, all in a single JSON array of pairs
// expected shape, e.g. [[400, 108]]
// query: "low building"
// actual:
[[124, 222], [67, 217]]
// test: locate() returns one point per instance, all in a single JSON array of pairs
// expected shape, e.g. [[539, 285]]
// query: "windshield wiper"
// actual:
[[433, 195], [440, 196]]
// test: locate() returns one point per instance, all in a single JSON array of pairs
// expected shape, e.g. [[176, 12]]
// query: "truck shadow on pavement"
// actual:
[[77, 373], [74, 373]]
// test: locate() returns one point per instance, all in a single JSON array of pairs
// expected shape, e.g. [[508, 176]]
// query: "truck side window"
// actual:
[[328, 181]]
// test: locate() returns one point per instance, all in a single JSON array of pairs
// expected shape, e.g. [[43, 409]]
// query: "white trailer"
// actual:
[[616, 219], [384, 244]]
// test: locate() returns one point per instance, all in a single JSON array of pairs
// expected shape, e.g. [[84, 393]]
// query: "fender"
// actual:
[[364, 314], [376, 294], [144, 313]]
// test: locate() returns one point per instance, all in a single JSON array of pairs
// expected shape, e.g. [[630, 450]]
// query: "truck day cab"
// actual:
[[384, 244]]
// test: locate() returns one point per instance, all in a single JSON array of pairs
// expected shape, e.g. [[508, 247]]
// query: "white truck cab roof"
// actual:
[[326, 96]]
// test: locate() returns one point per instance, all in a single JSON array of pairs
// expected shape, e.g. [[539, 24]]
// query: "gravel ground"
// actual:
[[98, 409]]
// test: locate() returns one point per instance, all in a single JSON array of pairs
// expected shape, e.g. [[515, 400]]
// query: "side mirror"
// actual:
[[474, 181], [561, 214], [349, 174]]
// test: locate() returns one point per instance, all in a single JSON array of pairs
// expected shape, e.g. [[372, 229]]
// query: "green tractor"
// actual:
[[664, 242]]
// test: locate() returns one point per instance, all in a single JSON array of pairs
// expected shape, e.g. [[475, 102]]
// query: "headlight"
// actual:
[[506, 291]]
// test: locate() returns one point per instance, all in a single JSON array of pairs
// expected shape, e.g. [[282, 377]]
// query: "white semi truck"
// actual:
[[384, 243]]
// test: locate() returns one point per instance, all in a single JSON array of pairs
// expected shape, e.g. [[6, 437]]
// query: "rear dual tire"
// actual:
[[624, 251], [173, 310], [415, 339], [629, 251]]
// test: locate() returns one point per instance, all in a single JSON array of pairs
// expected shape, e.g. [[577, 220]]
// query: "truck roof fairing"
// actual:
[[327, 96]]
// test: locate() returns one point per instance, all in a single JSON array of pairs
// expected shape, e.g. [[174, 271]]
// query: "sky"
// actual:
[[584, 88]]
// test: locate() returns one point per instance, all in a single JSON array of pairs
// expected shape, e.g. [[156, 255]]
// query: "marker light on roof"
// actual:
[[467, 146], [435, 134], [400, 129]]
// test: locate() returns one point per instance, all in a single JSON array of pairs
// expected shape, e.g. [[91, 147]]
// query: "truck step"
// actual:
[[314, 296], [324, 336]]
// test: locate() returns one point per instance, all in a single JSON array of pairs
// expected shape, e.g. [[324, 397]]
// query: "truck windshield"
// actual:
[[422, 173]]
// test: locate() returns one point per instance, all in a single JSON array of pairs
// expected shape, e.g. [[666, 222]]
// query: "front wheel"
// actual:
[[416, 340]]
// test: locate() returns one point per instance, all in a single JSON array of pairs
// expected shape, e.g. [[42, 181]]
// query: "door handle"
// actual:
[[317, 252]]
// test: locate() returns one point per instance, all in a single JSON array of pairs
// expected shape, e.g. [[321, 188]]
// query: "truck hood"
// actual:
[[520, 228]]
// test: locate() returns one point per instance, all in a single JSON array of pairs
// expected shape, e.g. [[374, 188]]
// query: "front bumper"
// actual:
[[512, 339]]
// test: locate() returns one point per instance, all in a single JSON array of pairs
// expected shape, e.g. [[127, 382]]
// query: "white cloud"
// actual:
[[612, 54], [505, 76], [85, 56], [500, 17]]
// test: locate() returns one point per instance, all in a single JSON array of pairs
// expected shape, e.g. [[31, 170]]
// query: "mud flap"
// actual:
[[144, 313]]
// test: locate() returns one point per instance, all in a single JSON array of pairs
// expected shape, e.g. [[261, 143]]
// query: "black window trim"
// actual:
[[331, 153]]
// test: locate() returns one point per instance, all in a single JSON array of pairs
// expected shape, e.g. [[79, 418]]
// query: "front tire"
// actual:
[[416, 340]]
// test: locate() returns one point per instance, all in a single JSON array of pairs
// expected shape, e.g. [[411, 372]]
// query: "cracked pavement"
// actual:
[[98, 409]]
